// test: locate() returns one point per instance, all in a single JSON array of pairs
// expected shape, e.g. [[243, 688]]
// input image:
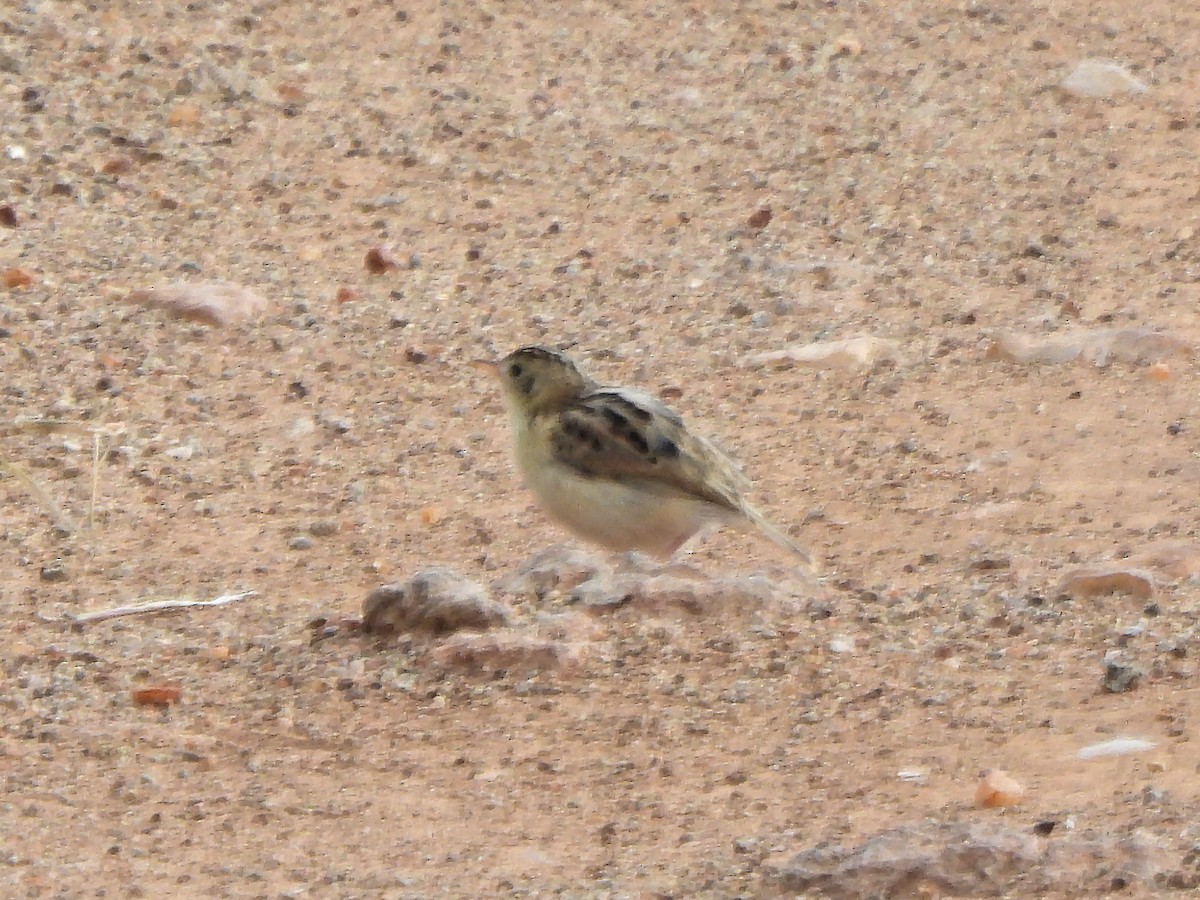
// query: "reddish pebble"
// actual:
[[760, 219], [379, 260], [1159, 372], [118, 165], [16, 278], [183, 114], [998, 789], [163, 695]]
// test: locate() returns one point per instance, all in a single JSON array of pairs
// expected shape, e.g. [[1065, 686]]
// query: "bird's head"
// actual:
[[535, 378]]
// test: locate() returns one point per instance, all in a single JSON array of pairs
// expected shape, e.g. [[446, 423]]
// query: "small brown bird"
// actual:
[[616, 466]]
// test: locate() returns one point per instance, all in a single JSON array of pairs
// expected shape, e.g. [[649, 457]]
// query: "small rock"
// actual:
[[998, 789], [658, 593], [969, 859], [300, 542], [383, 201], [851, 354], [939, 859], [17, 278], [161, 696], [558, 567], [214, 303], [760, 218], [989, 563], [323, 528], [336, 424], [602, 594], [1115, 747], [117, 165], [1101, 580], [55, 572], [183, 114], [380, 260], [436, 601], [503, 650], [1120, 677], [1101, 78]]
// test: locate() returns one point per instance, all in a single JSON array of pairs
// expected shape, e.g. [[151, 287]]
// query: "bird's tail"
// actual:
[[778, 537]]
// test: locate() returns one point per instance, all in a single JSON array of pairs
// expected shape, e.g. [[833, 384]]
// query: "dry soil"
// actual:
[[669, 188]]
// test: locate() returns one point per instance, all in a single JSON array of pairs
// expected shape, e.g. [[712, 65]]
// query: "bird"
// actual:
[[615, 465]]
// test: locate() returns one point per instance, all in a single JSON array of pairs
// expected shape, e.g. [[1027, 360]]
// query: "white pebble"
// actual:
[[1101, 78], [1115, 747]]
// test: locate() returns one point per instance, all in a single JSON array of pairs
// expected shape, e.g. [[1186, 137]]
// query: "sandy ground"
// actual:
[[595, 174]]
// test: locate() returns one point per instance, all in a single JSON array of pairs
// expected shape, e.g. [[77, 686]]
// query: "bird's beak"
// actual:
[[486, 365]]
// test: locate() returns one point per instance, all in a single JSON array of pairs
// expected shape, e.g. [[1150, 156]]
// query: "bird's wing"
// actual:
[[626, 435]]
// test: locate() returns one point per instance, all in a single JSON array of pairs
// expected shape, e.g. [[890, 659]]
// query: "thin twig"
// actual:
[[157, 606], [95, 481]]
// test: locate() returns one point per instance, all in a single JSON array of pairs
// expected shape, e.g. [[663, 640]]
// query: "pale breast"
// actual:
[[619, 515]]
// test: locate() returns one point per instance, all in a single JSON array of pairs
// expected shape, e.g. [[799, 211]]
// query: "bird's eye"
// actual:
[[514, 370]]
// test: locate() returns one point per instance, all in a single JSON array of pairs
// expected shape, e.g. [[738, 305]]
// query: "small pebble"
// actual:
[[437, 601], [1115, 747], [1097, 581], [54, 572], [841, 645], [380, 260], [1101, 78], [998, 788], [1120, 677]]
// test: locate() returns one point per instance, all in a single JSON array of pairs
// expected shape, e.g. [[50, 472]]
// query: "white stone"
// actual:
[[1115, 747], [1101, 78]]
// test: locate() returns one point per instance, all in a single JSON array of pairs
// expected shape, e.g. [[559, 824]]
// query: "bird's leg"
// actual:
[[674, 562]]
